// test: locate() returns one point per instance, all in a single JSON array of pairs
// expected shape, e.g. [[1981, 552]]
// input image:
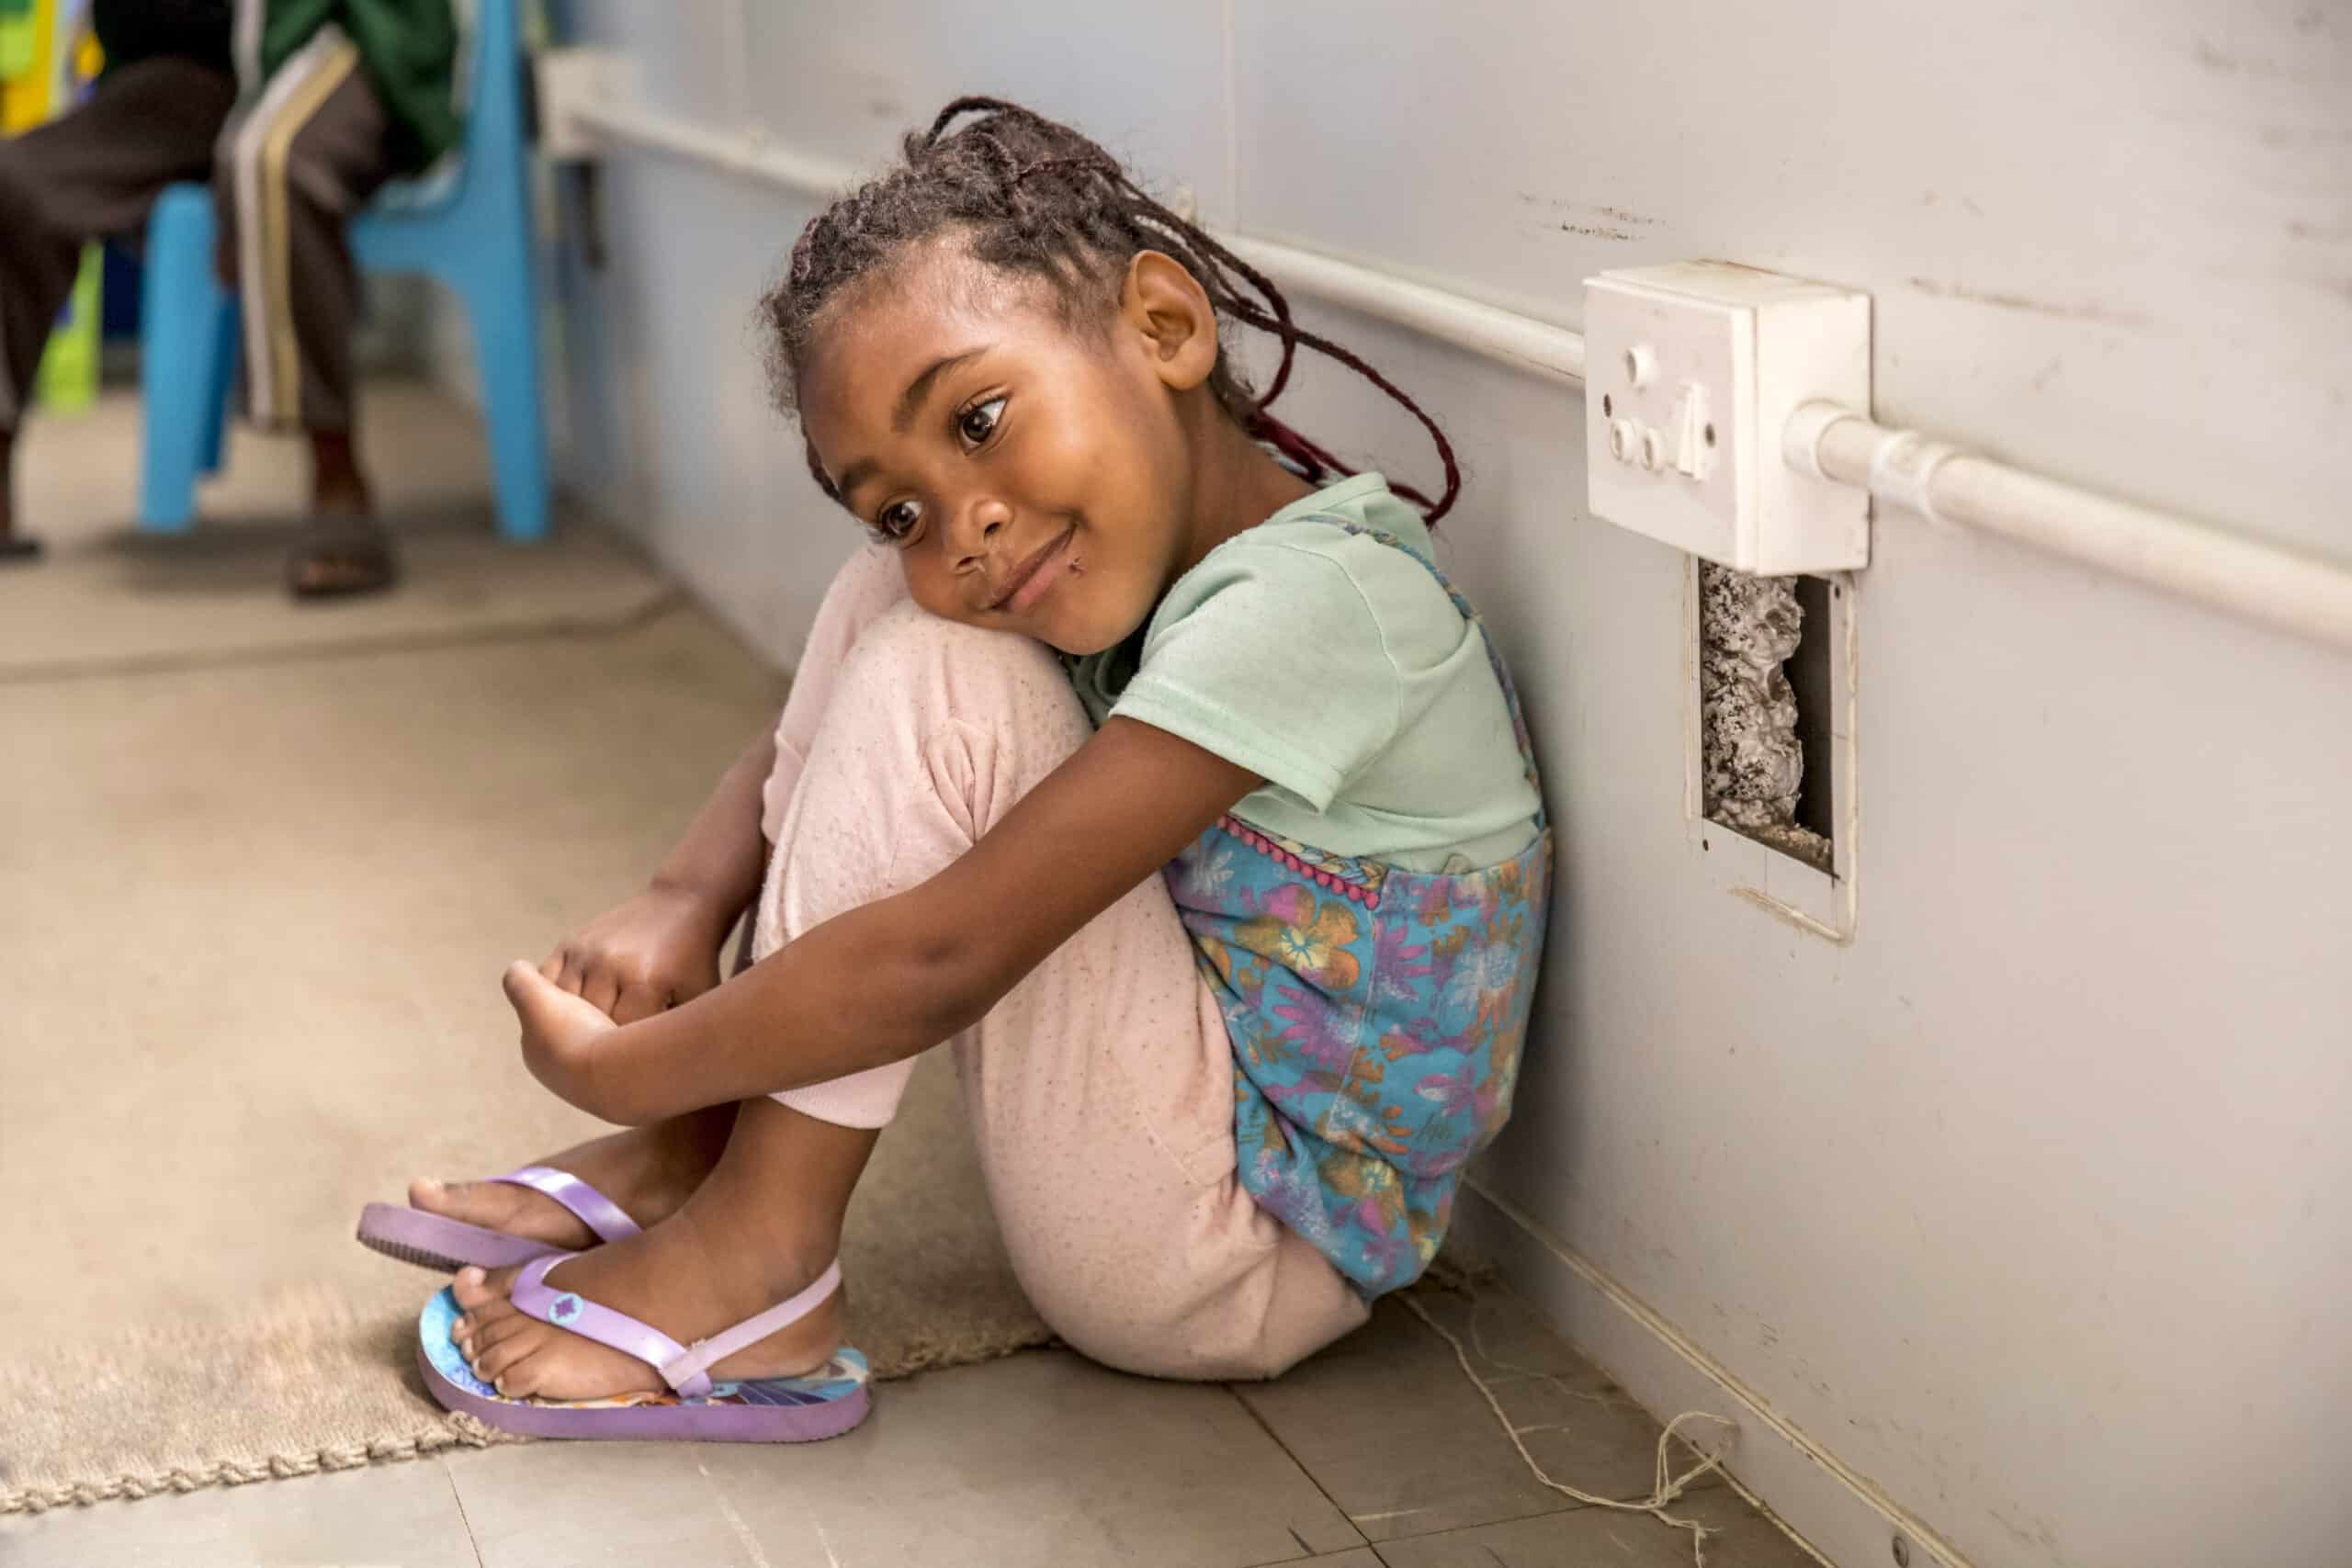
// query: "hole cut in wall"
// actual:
[[1766, 710]]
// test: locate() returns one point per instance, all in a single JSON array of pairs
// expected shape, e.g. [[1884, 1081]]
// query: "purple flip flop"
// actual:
[[446, 1245], [824, 1403]]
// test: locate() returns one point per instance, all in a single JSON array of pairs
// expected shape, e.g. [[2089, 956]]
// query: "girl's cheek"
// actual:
[[931, 587]]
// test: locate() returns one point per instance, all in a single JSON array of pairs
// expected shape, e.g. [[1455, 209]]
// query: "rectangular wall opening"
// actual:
[[1767, 700]]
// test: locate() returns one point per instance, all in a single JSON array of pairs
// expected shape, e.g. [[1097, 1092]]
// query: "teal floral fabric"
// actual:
[[1376, 1015]]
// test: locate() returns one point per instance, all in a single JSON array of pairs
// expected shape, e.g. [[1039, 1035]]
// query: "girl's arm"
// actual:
[[718, 862], [897, 976], [661, 947]]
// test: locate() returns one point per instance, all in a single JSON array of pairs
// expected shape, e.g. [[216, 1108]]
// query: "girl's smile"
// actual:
[[1036, 574]]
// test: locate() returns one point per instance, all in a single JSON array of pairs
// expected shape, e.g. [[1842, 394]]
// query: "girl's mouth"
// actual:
[[1038, 574]]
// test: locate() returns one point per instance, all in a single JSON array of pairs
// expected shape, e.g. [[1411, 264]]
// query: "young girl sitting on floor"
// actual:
[[1146, 757]]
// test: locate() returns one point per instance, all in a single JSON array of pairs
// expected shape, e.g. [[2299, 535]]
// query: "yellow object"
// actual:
[[26, 87], [67, 381], [32, 85]]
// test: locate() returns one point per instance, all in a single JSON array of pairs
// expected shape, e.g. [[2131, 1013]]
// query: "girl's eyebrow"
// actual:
[[902, 418], [911, 400]]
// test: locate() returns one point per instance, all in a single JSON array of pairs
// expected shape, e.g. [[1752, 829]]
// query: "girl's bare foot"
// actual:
[[759, 1231], [669, 1278], [650, 1171]]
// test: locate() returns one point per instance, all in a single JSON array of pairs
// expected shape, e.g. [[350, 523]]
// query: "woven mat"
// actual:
[[253, 914], [108, 598]]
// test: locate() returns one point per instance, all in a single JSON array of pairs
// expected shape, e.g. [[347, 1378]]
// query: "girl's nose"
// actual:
[[979, 528]]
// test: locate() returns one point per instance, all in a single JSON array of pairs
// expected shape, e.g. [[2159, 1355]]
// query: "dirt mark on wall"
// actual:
[[2064, 309]]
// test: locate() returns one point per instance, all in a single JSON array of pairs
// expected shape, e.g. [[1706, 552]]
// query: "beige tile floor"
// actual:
[[1377, 1454]]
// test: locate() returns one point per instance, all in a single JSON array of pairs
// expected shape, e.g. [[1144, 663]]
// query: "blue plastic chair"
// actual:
[[474, 236]]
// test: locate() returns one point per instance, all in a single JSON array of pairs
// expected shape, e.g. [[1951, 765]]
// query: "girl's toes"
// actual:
[[479, 1292], [521, 1379], [472, 1286], [479, 1341], [492, 1361]]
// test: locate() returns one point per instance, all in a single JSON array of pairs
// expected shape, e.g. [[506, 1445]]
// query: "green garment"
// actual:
[[1335, 668], [408, 48]]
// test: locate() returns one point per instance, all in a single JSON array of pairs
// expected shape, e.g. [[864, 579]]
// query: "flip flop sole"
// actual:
[[441, 1243], [770, 1410]]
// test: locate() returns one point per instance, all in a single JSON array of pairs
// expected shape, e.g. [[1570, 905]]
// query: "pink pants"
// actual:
[[1099, 1089]]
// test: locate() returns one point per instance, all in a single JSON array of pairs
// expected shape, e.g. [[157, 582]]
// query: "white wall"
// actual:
[[2034, 1204]]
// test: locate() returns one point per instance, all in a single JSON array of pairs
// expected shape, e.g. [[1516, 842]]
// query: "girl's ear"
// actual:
[[1169, 314]]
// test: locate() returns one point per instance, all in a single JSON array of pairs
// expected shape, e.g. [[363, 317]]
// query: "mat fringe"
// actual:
[[451, 1431]]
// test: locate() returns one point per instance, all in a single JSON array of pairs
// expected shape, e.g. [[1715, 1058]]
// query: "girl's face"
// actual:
[[1035, 475]]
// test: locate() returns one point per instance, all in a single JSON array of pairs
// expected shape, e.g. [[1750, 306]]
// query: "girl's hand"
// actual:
[[643, 956], [561, 1033]]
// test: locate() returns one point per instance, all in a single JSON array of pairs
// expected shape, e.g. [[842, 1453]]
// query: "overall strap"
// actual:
[[1494, 656]]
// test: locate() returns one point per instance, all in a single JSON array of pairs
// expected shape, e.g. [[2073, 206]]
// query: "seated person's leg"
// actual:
[[91, 174], [291, 176]]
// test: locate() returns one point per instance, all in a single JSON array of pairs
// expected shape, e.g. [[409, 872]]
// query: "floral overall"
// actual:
[[1377, 1016]]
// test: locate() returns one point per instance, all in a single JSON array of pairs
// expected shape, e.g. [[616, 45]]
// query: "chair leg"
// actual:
[[180, 337], [224, 387], [506, 345]]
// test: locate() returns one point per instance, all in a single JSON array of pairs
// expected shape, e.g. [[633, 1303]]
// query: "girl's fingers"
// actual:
[[530, 992], [600, 989], [637, 1001], [558, 1018]]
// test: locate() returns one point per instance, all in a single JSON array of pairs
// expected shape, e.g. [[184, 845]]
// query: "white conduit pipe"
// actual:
[[1555, 353], [2262, 583]]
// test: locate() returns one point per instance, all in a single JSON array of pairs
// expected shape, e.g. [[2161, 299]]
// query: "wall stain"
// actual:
[[2213, 60], [1613, 214], [2079, 312], [2302, 135], [1597, 233]]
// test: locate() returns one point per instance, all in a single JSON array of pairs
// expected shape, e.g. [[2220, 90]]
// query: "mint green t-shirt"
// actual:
[[1337, 669]]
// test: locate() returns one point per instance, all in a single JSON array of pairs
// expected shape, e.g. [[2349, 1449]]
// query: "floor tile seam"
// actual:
[[1570, 1508], [1312, 1480], [458, 1497]]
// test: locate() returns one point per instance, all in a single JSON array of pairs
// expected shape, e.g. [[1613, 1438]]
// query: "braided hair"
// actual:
[[1038, 200]]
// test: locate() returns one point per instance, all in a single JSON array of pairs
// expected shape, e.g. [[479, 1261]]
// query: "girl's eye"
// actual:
[[977, 424], [898, 521]]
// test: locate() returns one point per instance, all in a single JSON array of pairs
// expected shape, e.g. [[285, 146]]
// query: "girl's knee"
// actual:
[[932, 670]]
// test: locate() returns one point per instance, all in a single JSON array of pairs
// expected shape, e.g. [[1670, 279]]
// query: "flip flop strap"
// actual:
[[534, 1297], [591, 1208], [755, 1328], [684, 1369]]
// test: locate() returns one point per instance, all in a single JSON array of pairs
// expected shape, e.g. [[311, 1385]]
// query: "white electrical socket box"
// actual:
[[567, 76], [1692, 372]]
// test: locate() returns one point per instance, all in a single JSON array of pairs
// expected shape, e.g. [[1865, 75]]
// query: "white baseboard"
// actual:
[[1845, 1520]]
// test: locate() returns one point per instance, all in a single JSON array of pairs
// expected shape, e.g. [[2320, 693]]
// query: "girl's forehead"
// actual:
[[875, 340]]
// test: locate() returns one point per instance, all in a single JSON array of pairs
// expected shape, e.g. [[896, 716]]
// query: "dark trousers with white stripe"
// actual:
[[287, 175]]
